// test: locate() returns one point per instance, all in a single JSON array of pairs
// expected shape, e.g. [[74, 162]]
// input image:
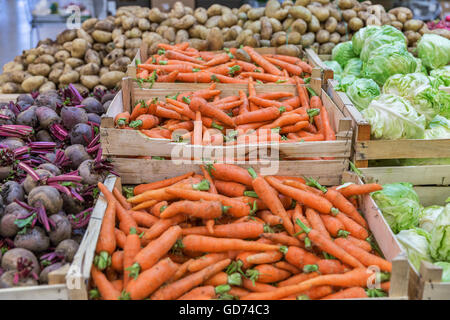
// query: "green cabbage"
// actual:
[[342, 53], [400, 205], [429, 215], [362, 92], [438, 128], [353, 67], [434, 51], [360, 37], [446, 270], [386, 61], [440, 236], [392, 117], [345, 82], [405, 85], [416, 243], [386, 35], [442, 76], [334, 65]]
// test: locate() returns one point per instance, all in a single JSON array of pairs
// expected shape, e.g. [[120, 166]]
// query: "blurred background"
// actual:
[[25, 22]]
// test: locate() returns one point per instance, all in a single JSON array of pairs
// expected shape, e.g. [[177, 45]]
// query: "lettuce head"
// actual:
[[434, 51], [442, 76], [342, 53], [440, 236], [446, 270], [360, 37], [386, 35], [362, 92], [416, 243], [429, 216]]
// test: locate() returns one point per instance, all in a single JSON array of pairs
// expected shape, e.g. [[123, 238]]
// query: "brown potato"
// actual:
[[105, 25], [201, 15], [66, 36], [331, 24], [266, 28], [288, 50], [213, 22], [322, 36], [227, 20], [155, 15], [321, 13], [89, 69], [181, 36], [102, 36], [308, 39], [299, 26], [89, 24], [335, 37], [39, 69], [355, 24], [276, 25], [397, 24], [199, 44], [214, 10], [11, 87], [255, 13], [32, 83], [300, 12], [112, 78], [346, 4], [185, 23], [342, 28], [45, 58], [314, 24], [326, 48], [69, 77], [272, 6], [47, 86], [74, 62], [349, 14], [413, 25], [215, 39]]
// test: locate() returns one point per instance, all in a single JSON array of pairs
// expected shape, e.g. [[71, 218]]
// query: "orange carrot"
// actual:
[[161, 226], [299, 257], [243, 230], [107, 241], [283, 239], [229, 188], [265, 257], [130, 250], [104, 286], [145, 121], [209, 259], [120, 237], [160, 184], [315, 222], [209, 244], [261, 61], [341, 203], [200, 104], [260, 115], [298, 278], [143, 219], [267, 273], [117, 261], [122, 119], [349, 293], [199, 209], [199, 293], [287, 266], [354, 189]]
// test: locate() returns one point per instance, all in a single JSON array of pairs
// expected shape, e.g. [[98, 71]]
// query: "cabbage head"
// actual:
[[400, 205], [386, 61], [406, 85], [360, 37], [392, 117], [334, 65], [386, 35], [434, 51], [416, 243], [345, 81], [440, 236], [442, 76], [362, 92], [438, 128], [429, 216], [342, 53], [353, 67]]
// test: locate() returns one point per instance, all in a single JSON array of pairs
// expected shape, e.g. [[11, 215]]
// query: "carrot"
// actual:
[[363, 256], [259, 115], [122, 200], [130, 250], [230, 172], [209, 244], [176, 289], [140, 109], [353, 227], [104, 286], [299, 257], [298, 278], [117, 261], [270, 197], [355, 190], [161, 226], [349, 293], [118, 284], [265, 257], [158, 208], [247, 66], [107, 241], [171, 77], [160, 184], [255, 286], [356, 277], [291, 68], [143, 219], [267, 77], [269, 218], [243, 230], [126, 222], [122, 119], [199, 293], [145, 121], [209, 259], [287, 266], [237, 292], [200, 104], [181, 271], [333, 225], [261, 61], [363, 244], [150, 280], [294, 128], [309, 199], [144, 205], [229, 188], [199, 209], [302, 92], [316, 222], [120, 237], [326, 266], [238, 209], [267, 273], [312, 294], [222, 278], [327, 245], [218, 59], [341, 203], [385, 286], [283, 239], [149, 255]]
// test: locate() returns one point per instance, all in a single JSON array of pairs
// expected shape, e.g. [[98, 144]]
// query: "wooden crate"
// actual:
[[433, 188], [157, 170], [310, 55], [129, 143], [77, 279], [366, 149], [8, 97]]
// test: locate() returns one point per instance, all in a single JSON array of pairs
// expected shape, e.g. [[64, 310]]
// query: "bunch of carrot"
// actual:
[[182, 63], [202, 117], [230, 233]]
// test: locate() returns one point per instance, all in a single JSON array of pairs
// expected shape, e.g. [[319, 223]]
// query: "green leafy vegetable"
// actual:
[[415, 241], [342, 53], [434, 51], [440, 236], [362, 92]]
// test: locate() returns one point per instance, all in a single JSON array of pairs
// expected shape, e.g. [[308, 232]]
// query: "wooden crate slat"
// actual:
[[44, 292], [6, 97]]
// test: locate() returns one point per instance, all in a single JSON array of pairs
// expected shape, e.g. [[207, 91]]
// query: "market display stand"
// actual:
[[432, 187]]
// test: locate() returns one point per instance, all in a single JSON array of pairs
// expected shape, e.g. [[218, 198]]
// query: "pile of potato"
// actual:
[[96, 56]]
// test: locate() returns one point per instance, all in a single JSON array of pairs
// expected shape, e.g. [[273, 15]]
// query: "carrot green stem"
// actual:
[[303, 297], [202, 185], [282, 109], [252, 275], [222, 289], [234, 69], [334, 211], [225, 209], [328, 256], [375, 293], [162, 209], [254, 209], [384, 276], [235, 266], [135, 124], [315, 184], [311, 92], [215, 125], [342, 234], [303, 226], [252, 172], [94, 294], [252, 194], [134, 270], [102, 260], [267, 229], [124, 296], [235, 279], [133, 230], [283, 249], [307, 243], [310, 268]]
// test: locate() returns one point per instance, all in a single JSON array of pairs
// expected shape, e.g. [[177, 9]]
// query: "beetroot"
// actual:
[[71, 116], [28, 117], [92, 105], [81, 134], [47, 117]]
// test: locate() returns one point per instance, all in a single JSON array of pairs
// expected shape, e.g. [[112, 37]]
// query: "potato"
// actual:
[[30, 58], [119, 42], [81, 34], [199, 44], [355, 24], [276, 25], [47, 86], [214, 10], [397, 24], [243, 35], [264, 43], [215, 39], [32, 83], [79, 48], [245, 8], [69, 77], [372, 20], [66, 36], [342, 27], [213, 22], [155, 15], [255, 26], [99, 47], [322, 36], [133, 43], [129, 23], [302, 2], [45, 58], [308, 39], [412, 36], [272, 6], [299, 26], [326, 48], [227, 20], [89, 24], [55, 74], [134, 33], [131, 52], [120, 64], [403, 14], [181, 36], [92, 56], [266, 28], [169, 34], [201, 15], [321, 13], [335, 37], [347, 15], [287, 3], [281, 14], [413, 25], [255, 13], [198, 31], [105, 25], [12, 66], [74, 62], [11, 87], [143, 24], [102, 36], [299, 12], [346, 4], [288, 50], [112, 78], [185, 23], [335, 13], [278, 39], [230, 44], [19, 76], [331, 24], [314, 24], [39, 69]]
